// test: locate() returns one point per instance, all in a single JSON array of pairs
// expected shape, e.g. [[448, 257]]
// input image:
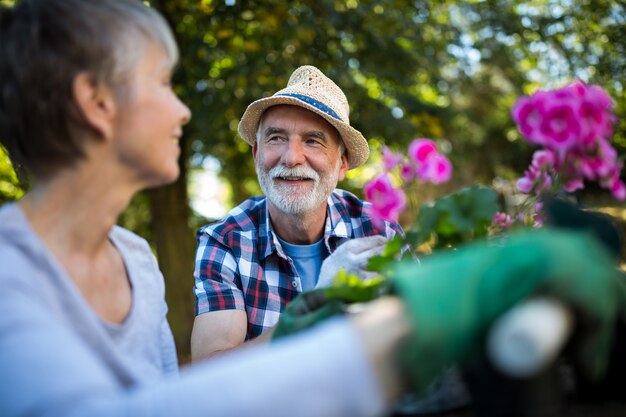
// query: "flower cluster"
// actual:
[[574, 125], [423, 163]]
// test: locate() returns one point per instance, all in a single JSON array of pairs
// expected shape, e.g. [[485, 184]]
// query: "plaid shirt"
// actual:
[[241, 265]]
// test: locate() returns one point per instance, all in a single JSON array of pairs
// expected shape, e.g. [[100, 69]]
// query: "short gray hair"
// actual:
[[45, 45]]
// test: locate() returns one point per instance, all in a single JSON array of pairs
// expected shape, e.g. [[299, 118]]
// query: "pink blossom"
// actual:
[[573, 124], [560, 125], [502, 220], [525, 185], [570, 117], [527, 114], [598, 162], [589, 166], [407, 172], [387, 201], [599, 97], [618, 189], [593, 123], [535, 180], [420, 149], [544, 159], [596, 116], [608, 157], [390, 159], [609, 180], [437, 169], [574, 184], [575, 90]]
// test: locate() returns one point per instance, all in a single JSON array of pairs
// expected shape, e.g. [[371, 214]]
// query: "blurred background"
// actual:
[[447, 70]]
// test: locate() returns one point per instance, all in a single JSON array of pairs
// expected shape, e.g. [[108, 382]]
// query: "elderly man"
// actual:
[[271, 248]]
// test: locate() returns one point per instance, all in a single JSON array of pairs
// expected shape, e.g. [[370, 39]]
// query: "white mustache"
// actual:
[[302, 172]]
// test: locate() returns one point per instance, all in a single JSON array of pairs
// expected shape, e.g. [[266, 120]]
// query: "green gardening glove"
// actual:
[[306, 310], [312, 307], [454, 297]]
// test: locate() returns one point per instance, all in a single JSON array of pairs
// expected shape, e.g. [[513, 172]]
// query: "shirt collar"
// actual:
[[338, 224], [336, 228], [268, 242]]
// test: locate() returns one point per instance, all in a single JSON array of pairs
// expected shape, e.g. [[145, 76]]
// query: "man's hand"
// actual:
[[351, 256], [453, 298]]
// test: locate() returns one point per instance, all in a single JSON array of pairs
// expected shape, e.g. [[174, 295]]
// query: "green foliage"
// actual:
[[382, 263], [10, 188], [456, 218], [352, 289], [449, 70], [137, 217]]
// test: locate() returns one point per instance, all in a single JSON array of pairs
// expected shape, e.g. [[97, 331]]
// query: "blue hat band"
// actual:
[[317, 104]]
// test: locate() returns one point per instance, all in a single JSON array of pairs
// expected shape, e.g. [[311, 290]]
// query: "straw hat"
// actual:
[[312, 90]]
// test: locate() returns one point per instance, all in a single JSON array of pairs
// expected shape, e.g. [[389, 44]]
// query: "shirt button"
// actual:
[[294, 284]]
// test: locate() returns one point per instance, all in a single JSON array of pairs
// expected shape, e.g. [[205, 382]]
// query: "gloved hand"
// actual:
[[351, 256], [306, 310], [453, 298]]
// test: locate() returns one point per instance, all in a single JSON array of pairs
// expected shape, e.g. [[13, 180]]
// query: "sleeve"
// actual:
[[45, 369], [216, 277], [392, 229]]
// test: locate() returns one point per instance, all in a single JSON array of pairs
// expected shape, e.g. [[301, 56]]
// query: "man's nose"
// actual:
[[294, 153]]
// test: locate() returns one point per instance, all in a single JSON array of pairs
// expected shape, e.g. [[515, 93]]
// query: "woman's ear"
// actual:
[[96, 104]]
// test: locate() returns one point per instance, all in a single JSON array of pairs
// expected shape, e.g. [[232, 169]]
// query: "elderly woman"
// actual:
[[87, 108]]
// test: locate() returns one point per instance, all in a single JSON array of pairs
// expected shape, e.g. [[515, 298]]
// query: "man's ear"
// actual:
[[96, 103], [254, 149], [343, 168]]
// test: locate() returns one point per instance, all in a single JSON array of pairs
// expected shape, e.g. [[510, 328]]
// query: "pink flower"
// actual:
[[527, 114], [387, 201], [502, 220], [574, 124], [544, 160], [407, 172], [618, 189], [525, 185], [390, 159], [560, 127], [574, 184], [571, 117], [535, 179], [420, 149], [596, 110], [437, 169]]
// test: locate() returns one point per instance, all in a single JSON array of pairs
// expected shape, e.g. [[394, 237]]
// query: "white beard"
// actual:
[[304, 200]]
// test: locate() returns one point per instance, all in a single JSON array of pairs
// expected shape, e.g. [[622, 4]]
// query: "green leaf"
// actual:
[[456, 218], [352, 289], [392, 251]]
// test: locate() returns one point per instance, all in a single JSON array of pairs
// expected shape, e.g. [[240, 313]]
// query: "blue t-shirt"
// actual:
[[307, 260]]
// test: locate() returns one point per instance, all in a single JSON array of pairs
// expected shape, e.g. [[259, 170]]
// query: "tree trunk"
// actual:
[[175, 245]]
